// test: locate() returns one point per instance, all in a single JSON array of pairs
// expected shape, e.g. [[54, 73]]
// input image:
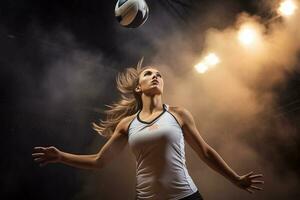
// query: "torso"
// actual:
[[158, 144]]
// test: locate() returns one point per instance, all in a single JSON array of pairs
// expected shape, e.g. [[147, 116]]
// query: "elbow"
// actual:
[[207, 151], [98, 163]]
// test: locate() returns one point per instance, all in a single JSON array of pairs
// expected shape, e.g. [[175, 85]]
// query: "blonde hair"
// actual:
[[129, 103]]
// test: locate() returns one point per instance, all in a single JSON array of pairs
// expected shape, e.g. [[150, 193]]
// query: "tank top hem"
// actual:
[[185, 195]]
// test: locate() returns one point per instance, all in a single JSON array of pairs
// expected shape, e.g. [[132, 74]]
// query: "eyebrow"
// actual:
[[146, 71]]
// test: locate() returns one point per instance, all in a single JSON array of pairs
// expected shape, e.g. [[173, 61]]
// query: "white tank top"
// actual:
[[158, 146]]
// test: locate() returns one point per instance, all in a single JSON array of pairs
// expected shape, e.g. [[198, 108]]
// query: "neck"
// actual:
[[152, 104]]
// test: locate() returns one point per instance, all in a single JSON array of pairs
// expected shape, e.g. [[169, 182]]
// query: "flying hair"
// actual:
[[129, 103]]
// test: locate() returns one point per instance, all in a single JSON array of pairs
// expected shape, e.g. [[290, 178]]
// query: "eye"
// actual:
[[147, 73], [158, 74]]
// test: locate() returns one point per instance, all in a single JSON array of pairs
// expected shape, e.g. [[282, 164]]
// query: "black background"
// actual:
[[31, 39]]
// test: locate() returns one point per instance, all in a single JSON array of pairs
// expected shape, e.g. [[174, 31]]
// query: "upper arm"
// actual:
[[115, 144], [191, 133]]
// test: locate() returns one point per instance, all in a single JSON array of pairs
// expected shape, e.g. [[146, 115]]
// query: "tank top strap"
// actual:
[[137, 118], [166, 107]]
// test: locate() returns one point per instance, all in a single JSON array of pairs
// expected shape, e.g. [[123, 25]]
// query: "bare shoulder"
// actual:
[[182, 115], [177, 109], [125, 122]]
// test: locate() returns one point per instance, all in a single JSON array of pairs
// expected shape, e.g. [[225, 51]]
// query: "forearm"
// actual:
[[215, 161], [80, 161]]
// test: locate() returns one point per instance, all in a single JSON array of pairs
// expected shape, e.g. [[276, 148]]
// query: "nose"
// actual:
[[154, 76]]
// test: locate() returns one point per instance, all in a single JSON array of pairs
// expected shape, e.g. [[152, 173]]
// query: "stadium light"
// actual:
[[287, 8], [201, 68], [247, 35], [211, 59], [208, 62]]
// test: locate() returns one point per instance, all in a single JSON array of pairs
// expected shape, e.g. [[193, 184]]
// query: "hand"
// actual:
[[247, 182], [45, 155]]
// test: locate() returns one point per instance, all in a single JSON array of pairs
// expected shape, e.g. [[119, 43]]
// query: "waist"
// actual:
[[165, 185]]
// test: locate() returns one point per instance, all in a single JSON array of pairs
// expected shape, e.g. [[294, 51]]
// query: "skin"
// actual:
[[150, 88]]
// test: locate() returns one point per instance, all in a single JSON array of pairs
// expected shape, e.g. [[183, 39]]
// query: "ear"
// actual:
[[138, 89]]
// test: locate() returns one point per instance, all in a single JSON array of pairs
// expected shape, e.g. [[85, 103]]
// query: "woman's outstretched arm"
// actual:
[[117, 142], [211, 157]]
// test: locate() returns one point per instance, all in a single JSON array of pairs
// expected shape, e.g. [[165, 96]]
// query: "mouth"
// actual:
[[155, 81]]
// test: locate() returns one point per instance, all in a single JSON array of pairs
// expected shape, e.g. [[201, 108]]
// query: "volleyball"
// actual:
[[131, 13]]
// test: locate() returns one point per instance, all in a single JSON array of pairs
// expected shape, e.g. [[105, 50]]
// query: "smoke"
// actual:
[[235, 103]]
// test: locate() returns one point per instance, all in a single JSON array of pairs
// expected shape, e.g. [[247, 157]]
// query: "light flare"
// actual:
[[201, 68], [247, 35], [287, 8], [211, 59], [208, 62]]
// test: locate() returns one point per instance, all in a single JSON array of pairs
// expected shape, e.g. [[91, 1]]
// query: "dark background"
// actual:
[[40, 111]]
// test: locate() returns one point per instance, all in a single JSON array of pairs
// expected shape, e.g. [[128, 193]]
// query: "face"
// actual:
[[150, 82]]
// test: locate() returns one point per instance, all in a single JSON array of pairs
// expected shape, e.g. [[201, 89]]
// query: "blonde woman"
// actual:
[[155, 133]]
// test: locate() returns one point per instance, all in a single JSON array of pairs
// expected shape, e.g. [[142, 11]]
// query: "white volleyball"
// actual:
[[131, 13]]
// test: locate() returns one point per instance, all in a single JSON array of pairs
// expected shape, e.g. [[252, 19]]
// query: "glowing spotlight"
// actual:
[[201, 68], [247, 35], [211, 59], [287, 8], [208, 62]]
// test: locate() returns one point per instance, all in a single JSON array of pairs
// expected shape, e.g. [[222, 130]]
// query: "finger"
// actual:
[[39, 159], [39, 149], [249, 173], [257, 188], [35, 155], [250, 191], [256, 176], [257, 181]]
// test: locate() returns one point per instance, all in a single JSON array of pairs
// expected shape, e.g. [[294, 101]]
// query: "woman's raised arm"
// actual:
[[116, 143], [211, 157]]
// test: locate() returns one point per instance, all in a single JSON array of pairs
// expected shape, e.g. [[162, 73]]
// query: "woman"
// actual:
[[155, 133]]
